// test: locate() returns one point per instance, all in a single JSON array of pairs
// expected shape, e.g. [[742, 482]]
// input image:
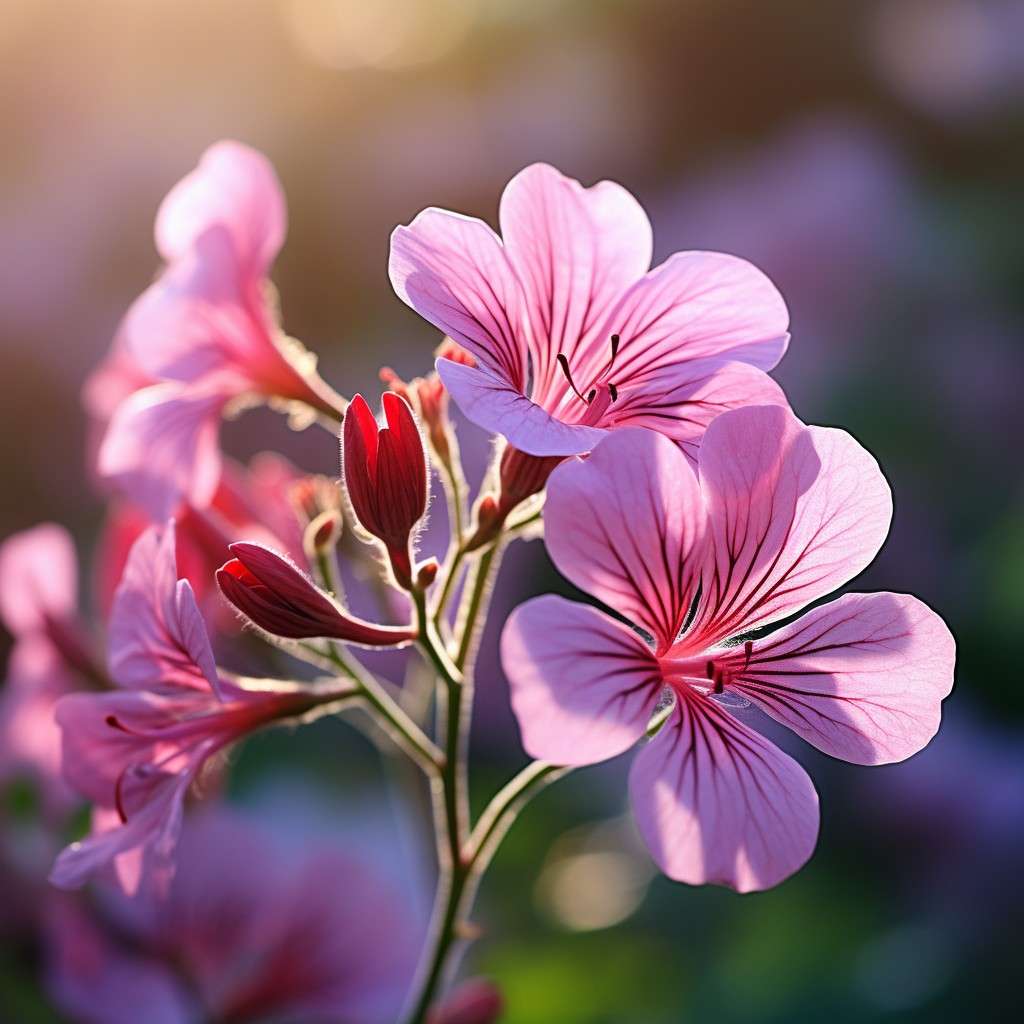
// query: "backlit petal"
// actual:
[[716, 802], [627, 525], [862, 678], [794, 511], [583, 686]]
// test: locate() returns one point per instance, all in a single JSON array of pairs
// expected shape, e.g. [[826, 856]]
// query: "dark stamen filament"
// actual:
[[564, 364]]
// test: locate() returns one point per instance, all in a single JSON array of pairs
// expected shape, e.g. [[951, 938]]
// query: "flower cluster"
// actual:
[[637, 426]]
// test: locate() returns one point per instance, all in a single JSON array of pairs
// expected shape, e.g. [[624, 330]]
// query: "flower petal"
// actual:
[[583, 686], [627, 525], [698, 305], [681, 400], [862, 678], [794, 511], [150, 834], [157, 636], [161, 447], [38, 578], [453, 271], [234, 188], [499, 408], [575, 250], [196, 320], [716, 802]]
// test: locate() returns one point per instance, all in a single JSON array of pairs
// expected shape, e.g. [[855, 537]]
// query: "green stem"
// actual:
[[404, 730], [458, 889], [450, 580], [475, 600], [500, 814]]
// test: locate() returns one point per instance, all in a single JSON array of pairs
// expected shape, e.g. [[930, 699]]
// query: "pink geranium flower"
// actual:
[[135, 752], [52, 654], [777, 516], [206, 333], [573, 334], [250, 930]]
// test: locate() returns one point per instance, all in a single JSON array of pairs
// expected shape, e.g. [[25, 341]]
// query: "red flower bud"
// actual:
[[386, 475], [279, 598]]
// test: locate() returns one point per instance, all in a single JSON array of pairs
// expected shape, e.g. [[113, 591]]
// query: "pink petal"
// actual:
[[95, 750], [161, 447], [583, 686], [157, 636], [795, 512], [197, 319], [694, 306], [452, 270], [575, 250], [681, 400], [499, 408], [152, 831], [716, 802], [862, 678], [627, 526], [38, 578], [233, 188]]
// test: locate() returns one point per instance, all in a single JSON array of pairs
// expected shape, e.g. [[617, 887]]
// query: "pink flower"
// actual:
[[51, 654], [573, 334], [281, 599], [250, 930], [206, 334], [777, 516], [386, 476], [252, 501], [137, 751]]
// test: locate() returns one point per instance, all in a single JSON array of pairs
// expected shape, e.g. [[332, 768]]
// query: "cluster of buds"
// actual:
[[520, 477], [428, 396], [386, 480]]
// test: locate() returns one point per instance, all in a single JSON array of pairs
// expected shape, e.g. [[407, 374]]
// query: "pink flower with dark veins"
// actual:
[[205, 334], [573, 333], [776, 516], [136, 751]]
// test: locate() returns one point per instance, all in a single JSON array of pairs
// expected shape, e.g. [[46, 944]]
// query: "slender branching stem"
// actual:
[[402, 728]]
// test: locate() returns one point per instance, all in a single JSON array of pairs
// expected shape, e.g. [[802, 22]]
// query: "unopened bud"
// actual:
[[385, 469], [279, 598], [489, 519], [426, 574], [322, 534]]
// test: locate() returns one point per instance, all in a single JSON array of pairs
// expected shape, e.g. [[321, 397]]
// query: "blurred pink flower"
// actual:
[[136, 751], [777, 516], [251, 501], [573, 333], [249, 931], [51, 655], [206, 333]]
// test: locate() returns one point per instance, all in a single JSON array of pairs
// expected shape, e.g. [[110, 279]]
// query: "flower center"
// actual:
[[601, 393], [709, 674]]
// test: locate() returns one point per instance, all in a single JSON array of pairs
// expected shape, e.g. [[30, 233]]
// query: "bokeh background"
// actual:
[[867, 155]]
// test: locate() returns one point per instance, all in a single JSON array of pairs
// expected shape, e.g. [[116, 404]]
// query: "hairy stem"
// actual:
[[404, 730]]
